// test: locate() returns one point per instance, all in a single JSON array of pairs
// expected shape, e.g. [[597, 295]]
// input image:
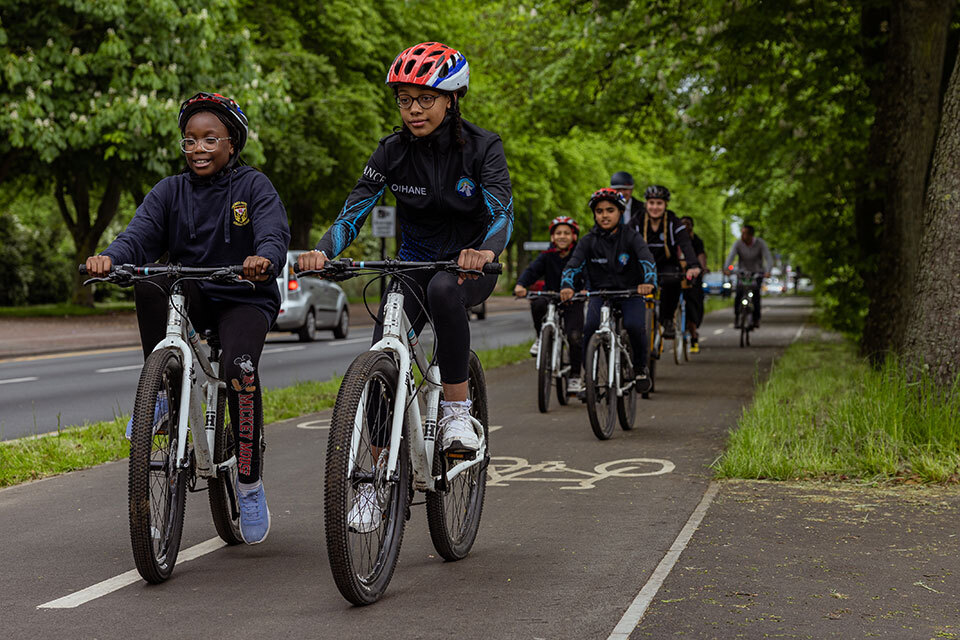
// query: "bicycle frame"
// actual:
[[552, 320], [401, 341], [181, 337], [613, 362]]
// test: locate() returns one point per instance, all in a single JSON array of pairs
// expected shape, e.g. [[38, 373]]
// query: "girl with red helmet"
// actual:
[[549, 265], [454, 202], [615, 257]]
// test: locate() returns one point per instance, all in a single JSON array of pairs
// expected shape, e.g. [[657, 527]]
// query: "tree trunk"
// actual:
[[901, 147], [301, 221], [933, 333]]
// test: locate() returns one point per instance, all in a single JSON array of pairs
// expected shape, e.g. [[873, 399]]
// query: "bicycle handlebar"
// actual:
[[346, 268], [127, 273]]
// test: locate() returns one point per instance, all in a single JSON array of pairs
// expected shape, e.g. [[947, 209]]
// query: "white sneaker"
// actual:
[[457, 428], [535, 347], [366, 515], [574, 386]]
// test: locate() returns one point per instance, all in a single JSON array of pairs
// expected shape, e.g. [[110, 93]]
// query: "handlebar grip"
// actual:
[[493, 268], [83, 269]]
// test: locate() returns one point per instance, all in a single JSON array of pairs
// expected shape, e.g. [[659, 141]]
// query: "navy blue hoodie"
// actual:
[[211, 222]]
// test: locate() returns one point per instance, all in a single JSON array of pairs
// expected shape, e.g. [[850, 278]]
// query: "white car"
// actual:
[[308, 305], [773, 286]]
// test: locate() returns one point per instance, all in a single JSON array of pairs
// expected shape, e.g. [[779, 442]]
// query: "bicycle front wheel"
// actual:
[[156, 488], [222, 490], [562, 381], [601, 398], [364, 509], [627, 403], [453, 515], [545, 370]]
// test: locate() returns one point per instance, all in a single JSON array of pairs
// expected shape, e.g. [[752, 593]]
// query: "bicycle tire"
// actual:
[[677, 347], [223, 496], [562, 381], [601, 408], [453, 516], [743, 334], [627, 403], [156, 489], [363, 563], [656, 346], [544, 370]]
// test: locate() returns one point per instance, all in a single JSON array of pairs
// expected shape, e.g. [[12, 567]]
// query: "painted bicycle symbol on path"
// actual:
[[504, 470]]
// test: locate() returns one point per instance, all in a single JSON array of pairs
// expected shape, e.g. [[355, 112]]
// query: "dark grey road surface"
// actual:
[[554, 559], [39, 394]]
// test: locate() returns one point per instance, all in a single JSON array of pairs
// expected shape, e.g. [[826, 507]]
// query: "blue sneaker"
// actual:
[[161, 412], [254, 515]]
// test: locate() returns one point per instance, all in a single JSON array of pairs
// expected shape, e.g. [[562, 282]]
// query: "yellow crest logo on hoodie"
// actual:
[[240, 217]]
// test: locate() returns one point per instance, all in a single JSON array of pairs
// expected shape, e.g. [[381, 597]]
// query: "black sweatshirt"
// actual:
[[615, 259]]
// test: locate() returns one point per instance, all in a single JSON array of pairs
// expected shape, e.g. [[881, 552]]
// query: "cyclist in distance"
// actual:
[[622, 183], [454, 202], [753, 256], [549, 265], [615, 257], [668, 241], [694, 294], [215, 212]]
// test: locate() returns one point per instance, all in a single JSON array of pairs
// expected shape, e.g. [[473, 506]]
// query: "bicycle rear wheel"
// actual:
[[363, 559], [545, 369], [565, 378], [453, 515], [156, 489], [627, 403], [601, 399], [222, 490]]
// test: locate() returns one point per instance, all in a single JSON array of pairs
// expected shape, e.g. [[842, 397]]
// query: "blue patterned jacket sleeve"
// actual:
[[498, 197], [574, 269], [355, 210], [647, 262]]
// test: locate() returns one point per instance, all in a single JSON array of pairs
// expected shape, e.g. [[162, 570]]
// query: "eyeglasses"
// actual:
[[189, 145], [426, 100]]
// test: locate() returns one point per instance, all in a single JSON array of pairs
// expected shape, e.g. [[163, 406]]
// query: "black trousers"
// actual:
[[242, 329], [669, 279], [572, 314], [694, 298]]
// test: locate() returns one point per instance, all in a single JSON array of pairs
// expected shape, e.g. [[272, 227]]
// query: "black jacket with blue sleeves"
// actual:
[[614, 259]]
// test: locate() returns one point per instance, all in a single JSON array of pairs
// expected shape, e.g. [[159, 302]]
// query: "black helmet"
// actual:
[[657, 191], [621, 180], [227, 110]]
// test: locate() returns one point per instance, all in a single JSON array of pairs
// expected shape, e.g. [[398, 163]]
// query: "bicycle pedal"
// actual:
[[460, 454]]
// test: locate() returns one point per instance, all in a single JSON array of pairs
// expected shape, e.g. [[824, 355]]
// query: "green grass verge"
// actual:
[[65, 309], [83, 446], [714, 303], [825, 414]]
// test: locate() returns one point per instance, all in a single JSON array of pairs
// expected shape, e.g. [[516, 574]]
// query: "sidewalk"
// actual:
[[35, 336]]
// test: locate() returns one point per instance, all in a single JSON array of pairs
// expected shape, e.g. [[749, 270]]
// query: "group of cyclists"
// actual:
[[454, 202]]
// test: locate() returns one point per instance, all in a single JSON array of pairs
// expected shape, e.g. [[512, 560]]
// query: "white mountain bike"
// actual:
[[609, 372], [383, 430], [188, 443], [553, 358]]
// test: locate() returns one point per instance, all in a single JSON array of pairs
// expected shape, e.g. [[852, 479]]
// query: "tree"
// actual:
[[91, 92]]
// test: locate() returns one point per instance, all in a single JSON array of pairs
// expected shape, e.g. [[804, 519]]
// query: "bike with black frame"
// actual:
[[748, 288], [189, 443]]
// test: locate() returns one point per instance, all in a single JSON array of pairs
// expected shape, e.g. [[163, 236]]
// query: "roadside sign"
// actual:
[[384, 222], [536, 246]]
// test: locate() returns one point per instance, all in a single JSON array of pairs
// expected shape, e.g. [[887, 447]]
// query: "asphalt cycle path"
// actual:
[[41, 393], [572, 529]]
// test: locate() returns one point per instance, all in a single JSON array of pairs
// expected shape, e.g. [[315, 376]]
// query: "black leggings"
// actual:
[[634, 321], [669, 278], [572, 314], [242, 329], [447, 304], [694, 298]]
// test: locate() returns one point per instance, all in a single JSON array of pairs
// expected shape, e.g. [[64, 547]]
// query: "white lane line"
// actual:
[[631, 618], [118, 582], [799, 333], [335, 343], [129, 367], [282, 349], [717, 332], [14, 380]]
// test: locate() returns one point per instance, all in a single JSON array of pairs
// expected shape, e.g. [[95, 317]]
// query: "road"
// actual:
[[41, 393], [572, 527]]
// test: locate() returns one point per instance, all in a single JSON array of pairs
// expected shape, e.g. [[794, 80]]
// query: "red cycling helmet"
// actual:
[[607, 193], [431, 64], [224, 108], [567, 220]]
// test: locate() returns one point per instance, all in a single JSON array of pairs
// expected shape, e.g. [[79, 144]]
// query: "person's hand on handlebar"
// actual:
[[255, 268], [99, 266], [312, 260], [565, 294], [520, 291], [644, 289], [473, 260], [693, 272]]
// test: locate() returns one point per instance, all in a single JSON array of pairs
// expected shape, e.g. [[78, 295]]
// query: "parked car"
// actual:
[[773, 286], [805, 285], [309, 304], [715, 283]]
